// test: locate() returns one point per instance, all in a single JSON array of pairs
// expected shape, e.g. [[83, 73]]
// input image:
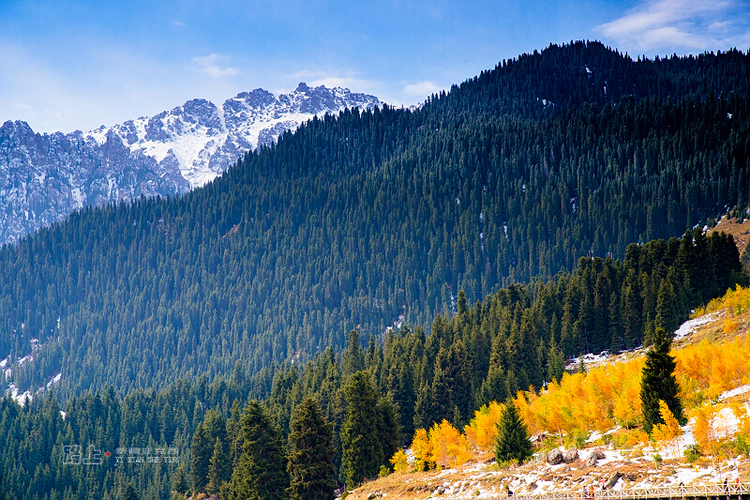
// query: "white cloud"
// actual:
[[680, 26], [421, 90], [211, 65]]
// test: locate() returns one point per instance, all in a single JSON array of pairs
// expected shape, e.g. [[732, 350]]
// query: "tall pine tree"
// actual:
[[361, 447], [311, 452], [201, 452], [658, 382], [512, 441], [261, 473]]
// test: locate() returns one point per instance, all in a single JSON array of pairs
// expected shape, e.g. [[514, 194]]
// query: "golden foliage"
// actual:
[[736, 302], [636, 437], [664, 434], [399, 462], [422, 449], [443, 445], [706, 370], [703, 428], [729, 326], [482, 430], [605, 397], [709, 429], [449, 447], [609, 395], [740, 413]]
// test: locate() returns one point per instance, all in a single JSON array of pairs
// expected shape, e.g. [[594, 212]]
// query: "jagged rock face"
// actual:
[[45, 177]]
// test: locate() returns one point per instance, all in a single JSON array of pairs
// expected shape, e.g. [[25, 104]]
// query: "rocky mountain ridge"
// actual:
[[43, 177]]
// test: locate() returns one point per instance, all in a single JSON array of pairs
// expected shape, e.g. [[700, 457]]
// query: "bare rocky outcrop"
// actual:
[[570, 456], [594, 457], [555, 457], [613, 480]]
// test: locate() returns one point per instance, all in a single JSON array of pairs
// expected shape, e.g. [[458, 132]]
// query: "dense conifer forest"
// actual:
[[400, 267], [358, 220], [192, 435]]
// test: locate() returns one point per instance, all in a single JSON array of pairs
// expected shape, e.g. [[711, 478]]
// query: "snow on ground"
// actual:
[[55, 380], [588, 360], [728, 394], [20, 398], [689, 326], [24, 360], [686, 329]]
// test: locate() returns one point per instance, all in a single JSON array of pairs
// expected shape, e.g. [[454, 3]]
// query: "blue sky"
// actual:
[[67, 64]]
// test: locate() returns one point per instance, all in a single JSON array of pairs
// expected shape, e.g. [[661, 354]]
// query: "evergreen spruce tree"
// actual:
[[390, 429], [423, 407], [658, 382], [494, 387], [512, 442], [129, 492], [442, 395], [631, 311], [311, 452], [360, 442], [220, 468], [179, 483], [261, 473], [555, 362], [462, 306], [666, 313], [201, 452], [458, 371], [353, 359]]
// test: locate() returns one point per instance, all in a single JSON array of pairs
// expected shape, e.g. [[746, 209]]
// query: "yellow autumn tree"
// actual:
[[525, 403], [596, 405], [728, 368], [399, 461], [422, 450], [704, 429], [626, 399], [482, 430], [707, 370], [449, 448], [743, 420], [665, 435], [609, 395]]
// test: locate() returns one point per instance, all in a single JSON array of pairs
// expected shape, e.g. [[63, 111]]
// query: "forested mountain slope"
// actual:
[[188, 435], [356, 220]]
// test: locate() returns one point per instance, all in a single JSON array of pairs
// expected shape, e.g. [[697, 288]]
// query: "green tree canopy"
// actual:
[[512, 442], [311, 452], [360, 441], [261, 473], [658, 382]]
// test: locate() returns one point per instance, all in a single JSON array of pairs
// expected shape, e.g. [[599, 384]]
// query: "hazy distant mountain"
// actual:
[[44, 177]]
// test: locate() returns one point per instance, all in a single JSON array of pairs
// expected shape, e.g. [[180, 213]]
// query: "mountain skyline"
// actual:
[[86, 63], [44, 177]]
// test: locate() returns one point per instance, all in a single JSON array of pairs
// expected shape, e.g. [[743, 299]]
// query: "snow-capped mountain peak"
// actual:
[[43, 177], [204, 139]]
